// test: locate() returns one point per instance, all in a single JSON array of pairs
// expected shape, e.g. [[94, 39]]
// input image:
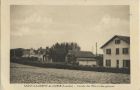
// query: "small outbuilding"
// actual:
[[84, 58]]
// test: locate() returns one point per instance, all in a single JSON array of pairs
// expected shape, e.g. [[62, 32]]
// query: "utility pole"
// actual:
[[92, 50], [96, 49]]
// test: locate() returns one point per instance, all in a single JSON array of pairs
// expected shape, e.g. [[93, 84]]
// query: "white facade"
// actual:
[[117, 60], [87, 61]]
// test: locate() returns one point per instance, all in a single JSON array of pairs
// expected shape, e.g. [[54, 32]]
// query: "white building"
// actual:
[[117, 52], [87, 61], [84, 58]]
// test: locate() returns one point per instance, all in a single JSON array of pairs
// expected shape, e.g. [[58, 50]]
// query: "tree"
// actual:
[[59, 51], [18, 52]]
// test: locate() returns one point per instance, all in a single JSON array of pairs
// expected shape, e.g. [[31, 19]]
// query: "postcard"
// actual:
[[77, 44]]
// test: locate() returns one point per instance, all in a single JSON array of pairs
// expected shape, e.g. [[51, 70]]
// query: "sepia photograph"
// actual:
[[70, 44]]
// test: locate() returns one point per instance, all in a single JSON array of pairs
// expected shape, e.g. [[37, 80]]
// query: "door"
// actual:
[[117, 63]]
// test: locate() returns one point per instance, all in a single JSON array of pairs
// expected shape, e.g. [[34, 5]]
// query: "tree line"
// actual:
[[56, 52]]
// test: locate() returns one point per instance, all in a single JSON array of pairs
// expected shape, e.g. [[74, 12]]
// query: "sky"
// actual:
[[34, 26]]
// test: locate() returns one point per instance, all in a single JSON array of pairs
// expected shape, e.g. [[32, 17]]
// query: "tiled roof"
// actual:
[[124, 38], [82, 54]]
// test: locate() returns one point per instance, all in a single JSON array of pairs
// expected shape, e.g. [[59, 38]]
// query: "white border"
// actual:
[[5, 39]]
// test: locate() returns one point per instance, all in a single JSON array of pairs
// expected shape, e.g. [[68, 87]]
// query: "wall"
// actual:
[[87, 61]]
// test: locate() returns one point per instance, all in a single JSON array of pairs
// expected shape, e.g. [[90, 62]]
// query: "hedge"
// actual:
[[35, 62]]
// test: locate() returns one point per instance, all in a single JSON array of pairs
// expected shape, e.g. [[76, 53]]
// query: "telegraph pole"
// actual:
[[92, 50], [96, 49]]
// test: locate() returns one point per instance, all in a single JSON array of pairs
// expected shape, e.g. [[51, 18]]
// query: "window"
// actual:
[[117, 41], [108, 51], [108, 63], [117, 51], [126, 63], [117, 63], [125, 50]]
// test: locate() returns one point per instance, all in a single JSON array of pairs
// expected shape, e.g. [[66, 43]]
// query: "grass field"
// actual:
[[29, 74]]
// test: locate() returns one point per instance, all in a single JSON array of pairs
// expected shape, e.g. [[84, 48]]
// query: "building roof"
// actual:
[[124, 38], [82, 54]]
